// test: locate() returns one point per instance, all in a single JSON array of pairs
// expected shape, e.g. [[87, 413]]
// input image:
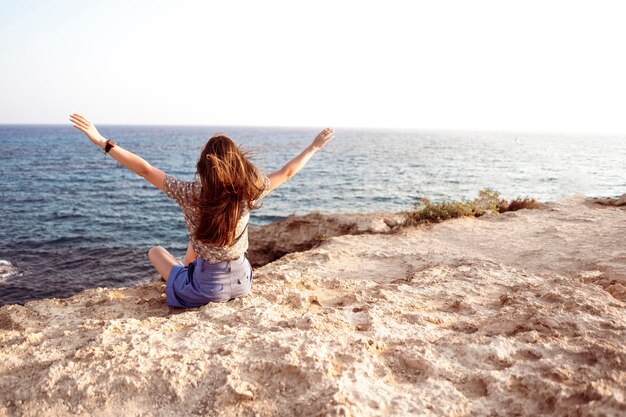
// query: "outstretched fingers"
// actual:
[[323, 137], [79, 120], [79, 125], [79, 117]]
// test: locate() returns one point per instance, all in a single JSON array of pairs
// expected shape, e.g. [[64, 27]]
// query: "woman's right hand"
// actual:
[[323, 138], [89, 129]]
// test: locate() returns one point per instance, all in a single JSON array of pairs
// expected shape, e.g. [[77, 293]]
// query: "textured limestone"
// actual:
[[300, 233], [514, 315]]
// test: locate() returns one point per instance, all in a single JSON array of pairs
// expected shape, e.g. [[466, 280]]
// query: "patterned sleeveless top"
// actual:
[[181, 192]]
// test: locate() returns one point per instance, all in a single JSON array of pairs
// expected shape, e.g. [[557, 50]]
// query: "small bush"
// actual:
[[522, 203], [488, 201]]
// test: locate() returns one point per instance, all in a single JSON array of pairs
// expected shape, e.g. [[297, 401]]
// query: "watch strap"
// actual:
[[109, 145]]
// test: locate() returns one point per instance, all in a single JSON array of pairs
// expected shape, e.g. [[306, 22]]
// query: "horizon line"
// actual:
[[405, 129]]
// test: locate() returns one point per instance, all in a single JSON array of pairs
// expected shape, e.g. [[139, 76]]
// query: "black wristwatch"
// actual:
[[109, 145]]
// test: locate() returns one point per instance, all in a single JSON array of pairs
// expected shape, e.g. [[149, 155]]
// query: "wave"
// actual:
[[73, 239], [59, 215], [6, 270]]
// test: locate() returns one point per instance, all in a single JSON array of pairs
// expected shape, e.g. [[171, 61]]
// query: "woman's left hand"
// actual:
[[88, 128]]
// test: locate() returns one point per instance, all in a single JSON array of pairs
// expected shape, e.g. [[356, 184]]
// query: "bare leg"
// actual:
[[190, 256], [162, 260]]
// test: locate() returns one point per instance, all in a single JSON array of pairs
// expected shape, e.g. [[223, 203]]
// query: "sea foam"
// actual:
[[6, 270]]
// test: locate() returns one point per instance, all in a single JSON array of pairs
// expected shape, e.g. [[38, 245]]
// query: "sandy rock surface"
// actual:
[[609, 201], [520, 314]]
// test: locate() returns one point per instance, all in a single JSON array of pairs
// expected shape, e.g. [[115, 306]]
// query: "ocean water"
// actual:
[[71, 219]]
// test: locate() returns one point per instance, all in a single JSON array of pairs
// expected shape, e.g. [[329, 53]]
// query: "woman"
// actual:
[[216, 207]]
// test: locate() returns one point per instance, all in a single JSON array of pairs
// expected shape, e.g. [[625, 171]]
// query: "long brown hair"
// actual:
[[229, 181]]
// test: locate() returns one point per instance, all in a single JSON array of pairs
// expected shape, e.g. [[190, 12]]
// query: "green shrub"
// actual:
[[522, 203], [488, 201]]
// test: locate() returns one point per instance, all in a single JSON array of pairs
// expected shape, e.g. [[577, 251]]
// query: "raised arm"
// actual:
[[131, 161], [296, 164]]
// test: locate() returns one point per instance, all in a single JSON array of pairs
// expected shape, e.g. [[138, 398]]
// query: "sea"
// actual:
[[71, 219]]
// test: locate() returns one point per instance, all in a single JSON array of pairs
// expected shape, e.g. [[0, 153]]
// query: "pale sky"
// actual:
[[529, 66]]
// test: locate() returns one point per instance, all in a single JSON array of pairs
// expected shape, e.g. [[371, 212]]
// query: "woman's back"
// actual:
[[183, 192]]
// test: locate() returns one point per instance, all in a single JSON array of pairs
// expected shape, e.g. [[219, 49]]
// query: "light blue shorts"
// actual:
[[201, 282]]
